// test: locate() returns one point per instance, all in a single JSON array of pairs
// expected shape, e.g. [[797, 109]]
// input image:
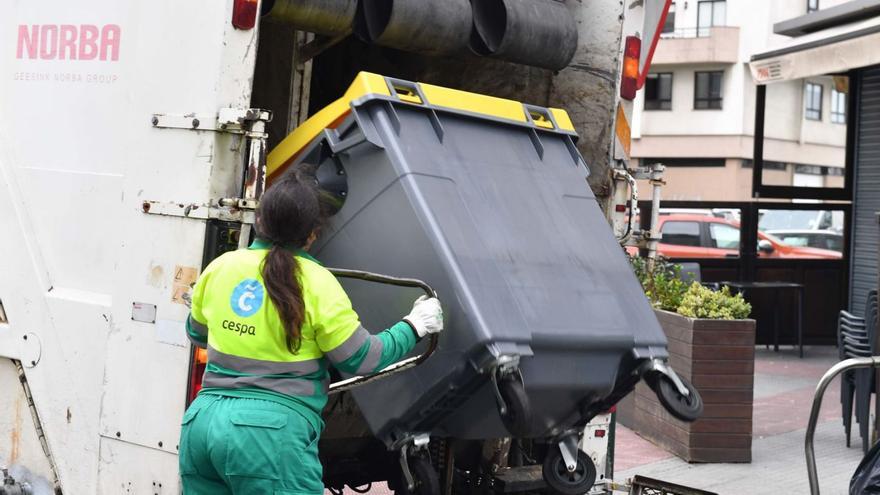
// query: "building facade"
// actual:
[[697, 113]]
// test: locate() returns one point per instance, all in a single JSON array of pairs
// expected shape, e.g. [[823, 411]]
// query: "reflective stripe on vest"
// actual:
[[374, 354], [252, 366], [287, 386], [354, 343], [197, 327]]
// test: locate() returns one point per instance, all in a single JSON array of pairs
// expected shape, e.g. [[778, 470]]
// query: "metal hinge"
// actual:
[[249, 123], [231, 120], [227, 209]]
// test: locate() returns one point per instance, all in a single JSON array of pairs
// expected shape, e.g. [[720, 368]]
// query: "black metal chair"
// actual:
[[856, 338]]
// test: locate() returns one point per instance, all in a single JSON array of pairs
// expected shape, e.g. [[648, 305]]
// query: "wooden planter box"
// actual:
[[718, 357]]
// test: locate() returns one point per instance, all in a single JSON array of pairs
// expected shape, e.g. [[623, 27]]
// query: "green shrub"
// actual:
[[702, 302], [666, 290]]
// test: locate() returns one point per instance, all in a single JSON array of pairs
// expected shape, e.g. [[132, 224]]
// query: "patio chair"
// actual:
[[856, 338]]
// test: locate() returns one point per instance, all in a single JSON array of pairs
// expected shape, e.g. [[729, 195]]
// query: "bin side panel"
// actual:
[[516, 246]]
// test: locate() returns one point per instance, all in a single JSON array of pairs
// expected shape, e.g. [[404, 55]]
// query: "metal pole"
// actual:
[[866, 362], [758, 145], [255, 170], [656, 184]]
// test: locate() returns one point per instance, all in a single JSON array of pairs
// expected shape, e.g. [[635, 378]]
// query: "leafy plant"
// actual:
[[667, 289], [664, 287], [703, 302]]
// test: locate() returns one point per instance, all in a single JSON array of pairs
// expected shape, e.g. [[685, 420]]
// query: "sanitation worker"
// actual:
[[273, 320]]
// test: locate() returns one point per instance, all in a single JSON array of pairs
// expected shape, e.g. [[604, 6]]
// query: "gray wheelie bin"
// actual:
[[487, 201]]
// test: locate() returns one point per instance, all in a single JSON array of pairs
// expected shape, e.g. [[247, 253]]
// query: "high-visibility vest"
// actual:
[[233, 316]]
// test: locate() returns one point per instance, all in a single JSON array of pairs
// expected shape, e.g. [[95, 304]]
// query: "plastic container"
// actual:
[[486, 200]]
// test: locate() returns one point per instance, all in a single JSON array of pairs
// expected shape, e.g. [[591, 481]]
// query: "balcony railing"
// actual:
[[699, 45], [693, 32]]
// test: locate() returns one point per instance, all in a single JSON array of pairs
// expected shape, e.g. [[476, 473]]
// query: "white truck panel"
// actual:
[[21, 450], [57, 385], [148, 470], [76, 164]]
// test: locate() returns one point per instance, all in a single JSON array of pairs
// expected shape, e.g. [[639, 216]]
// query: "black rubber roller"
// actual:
[[518, 416], [686, 408], [561, 480]]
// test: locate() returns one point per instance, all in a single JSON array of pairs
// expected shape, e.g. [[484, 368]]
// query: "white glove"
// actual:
[[426, 316]]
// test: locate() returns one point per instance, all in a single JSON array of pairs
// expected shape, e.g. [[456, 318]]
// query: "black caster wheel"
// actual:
[[561, 480], [688, 408], [518, 416], [427, 482]]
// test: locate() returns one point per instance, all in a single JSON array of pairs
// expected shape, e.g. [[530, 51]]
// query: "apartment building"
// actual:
[[697, 112]]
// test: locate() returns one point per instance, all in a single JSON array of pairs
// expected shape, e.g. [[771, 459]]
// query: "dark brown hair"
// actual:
[[289, 212]]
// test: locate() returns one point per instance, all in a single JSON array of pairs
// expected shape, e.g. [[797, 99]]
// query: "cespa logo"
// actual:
[[68, 42], [247, 297]]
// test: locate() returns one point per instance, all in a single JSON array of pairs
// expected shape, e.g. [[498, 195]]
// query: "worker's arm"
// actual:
[[347, 344], [197, 323], [373, 352]]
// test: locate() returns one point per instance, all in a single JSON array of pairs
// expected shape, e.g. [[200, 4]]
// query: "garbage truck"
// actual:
[[135, 148]]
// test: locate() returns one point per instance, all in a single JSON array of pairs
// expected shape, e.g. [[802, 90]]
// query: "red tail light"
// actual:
[[629, 78], [197, 363], [244, 13]]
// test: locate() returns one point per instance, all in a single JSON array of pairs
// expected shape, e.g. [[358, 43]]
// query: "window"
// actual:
[[807, 176], [681, 233], [831, 241], [724, 236], [685, 162], [669, 25], [813, 98], [838, 106], [710, 13], [768, 165], [799, 229], [775, 221], [812, 5], [707, 90], [658, 92]]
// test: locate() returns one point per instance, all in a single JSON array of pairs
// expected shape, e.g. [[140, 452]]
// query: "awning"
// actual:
[[830, 51]]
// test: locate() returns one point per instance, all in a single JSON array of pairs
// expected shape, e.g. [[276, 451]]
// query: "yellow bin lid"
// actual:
[[368, 84]]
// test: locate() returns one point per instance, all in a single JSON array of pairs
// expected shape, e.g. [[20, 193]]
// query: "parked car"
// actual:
[[731, 214], [822, 239], [704, 236], [770, 220]]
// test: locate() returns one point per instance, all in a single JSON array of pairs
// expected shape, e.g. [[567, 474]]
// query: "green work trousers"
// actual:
[[232, 445]]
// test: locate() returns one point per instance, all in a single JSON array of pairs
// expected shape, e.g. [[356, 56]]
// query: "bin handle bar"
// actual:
[[399, 366], [395, 85], [848, 364], [543, 113]]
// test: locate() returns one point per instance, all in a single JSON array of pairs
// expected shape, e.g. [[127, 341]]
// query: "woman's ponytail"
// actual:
[[288, 216], [280, 273]]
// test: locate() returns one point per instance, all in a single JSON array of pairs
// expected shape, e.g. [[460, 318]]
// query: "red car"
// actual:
[[706, 236]]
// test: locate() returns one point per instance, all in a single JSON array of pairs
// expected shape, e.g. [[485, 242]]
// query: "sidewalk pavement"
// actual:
[[784, 387]]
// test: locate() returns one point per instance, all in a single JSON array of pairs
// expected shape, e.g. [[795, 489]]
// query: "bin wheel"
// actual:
[[427, 482], [518, 417], [688, 408], [560, 480]]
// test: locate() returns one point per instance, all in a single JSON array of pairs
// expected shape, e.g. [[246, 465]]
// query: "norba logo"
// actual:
[[68, 42]]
